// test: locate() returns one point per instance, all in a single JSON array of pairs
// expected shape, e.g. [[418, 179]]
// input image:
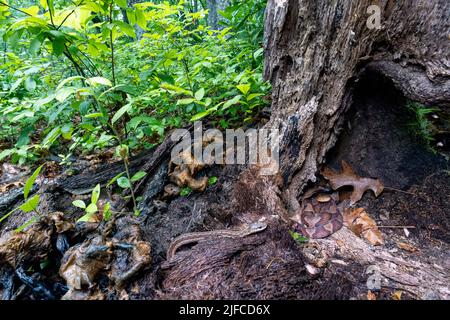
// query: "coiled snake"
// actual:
[[319, 217]]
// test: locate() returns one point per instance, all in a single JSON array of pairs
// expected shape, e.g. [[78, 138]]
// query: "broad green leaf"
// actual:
[[95, 194], [58, 46], [140, 19], [201, 115], [121, 112], [125, 28], [253, 96], [200, 94], [138, 176], [6, 153], [231, 102], [79, 204], [90, 211], [30, 204], [70, 79], [35, 45], [91, 208], [33, 10], [186, 101], [30, 182], [30, 84], [66, 131], [63, 93], [99, 80], [121, 3], [124, 183], [244, 88], [51, 137]]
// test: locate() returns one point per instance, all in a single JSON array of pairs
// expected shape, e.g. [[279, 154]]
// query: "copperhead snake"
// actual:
[[319, 216]]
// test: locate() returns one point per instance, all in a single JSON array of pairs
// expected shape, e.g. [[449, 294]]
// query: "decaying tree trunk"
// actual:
[[315, 51]]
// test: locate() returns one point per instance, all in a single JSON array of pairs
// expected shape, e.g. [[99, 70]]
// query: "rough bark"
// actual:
[[315, 51]]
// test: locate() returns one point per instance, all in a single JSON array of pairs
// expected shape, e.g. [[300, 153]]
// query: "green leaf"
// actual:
[[138, 176], [121, 112], [95, 194], [114, 179], [30, 182], [140, 19], [79, 204], [30, 84], [124, 183], [51, 137], [94, 115], [137, 213], [33, 10], [125, 28], [231, 102], [298, 237], [91, 208], [30, 204], [200, 94], [99, 80], [6, 153], [186, 101], [35, 45], [63, 93], [244, 88], [254, 95], [212, 180], [90, 211], [70, 79], [121, 3], [107, 211], [185, 191], [58, 46]]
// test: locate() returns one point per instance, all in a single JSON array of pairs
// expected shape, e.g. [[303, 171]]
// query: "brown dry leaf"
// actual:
[[371, 295], [397, 295], [407, 247], [347, 177], [360, 223]]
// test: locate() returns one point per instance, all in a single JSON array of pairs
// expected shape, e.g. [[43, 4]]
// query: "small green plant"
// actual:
[[212, 180], [185, 191], [298, 237], [420, 125], [91, 209], [30, 204]]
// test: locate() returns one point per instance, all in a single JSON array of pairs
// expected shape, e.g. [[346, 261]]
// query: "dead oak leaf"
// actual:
[[347, 177], [361, 224]]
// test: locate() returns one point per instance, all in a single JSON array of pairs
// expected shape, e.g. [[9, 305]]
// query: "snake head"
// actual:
[[257, 226]]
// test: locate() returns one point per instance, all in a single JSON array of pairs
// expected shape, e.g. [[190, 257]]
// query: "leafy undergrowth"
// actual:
[[83, 76]]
